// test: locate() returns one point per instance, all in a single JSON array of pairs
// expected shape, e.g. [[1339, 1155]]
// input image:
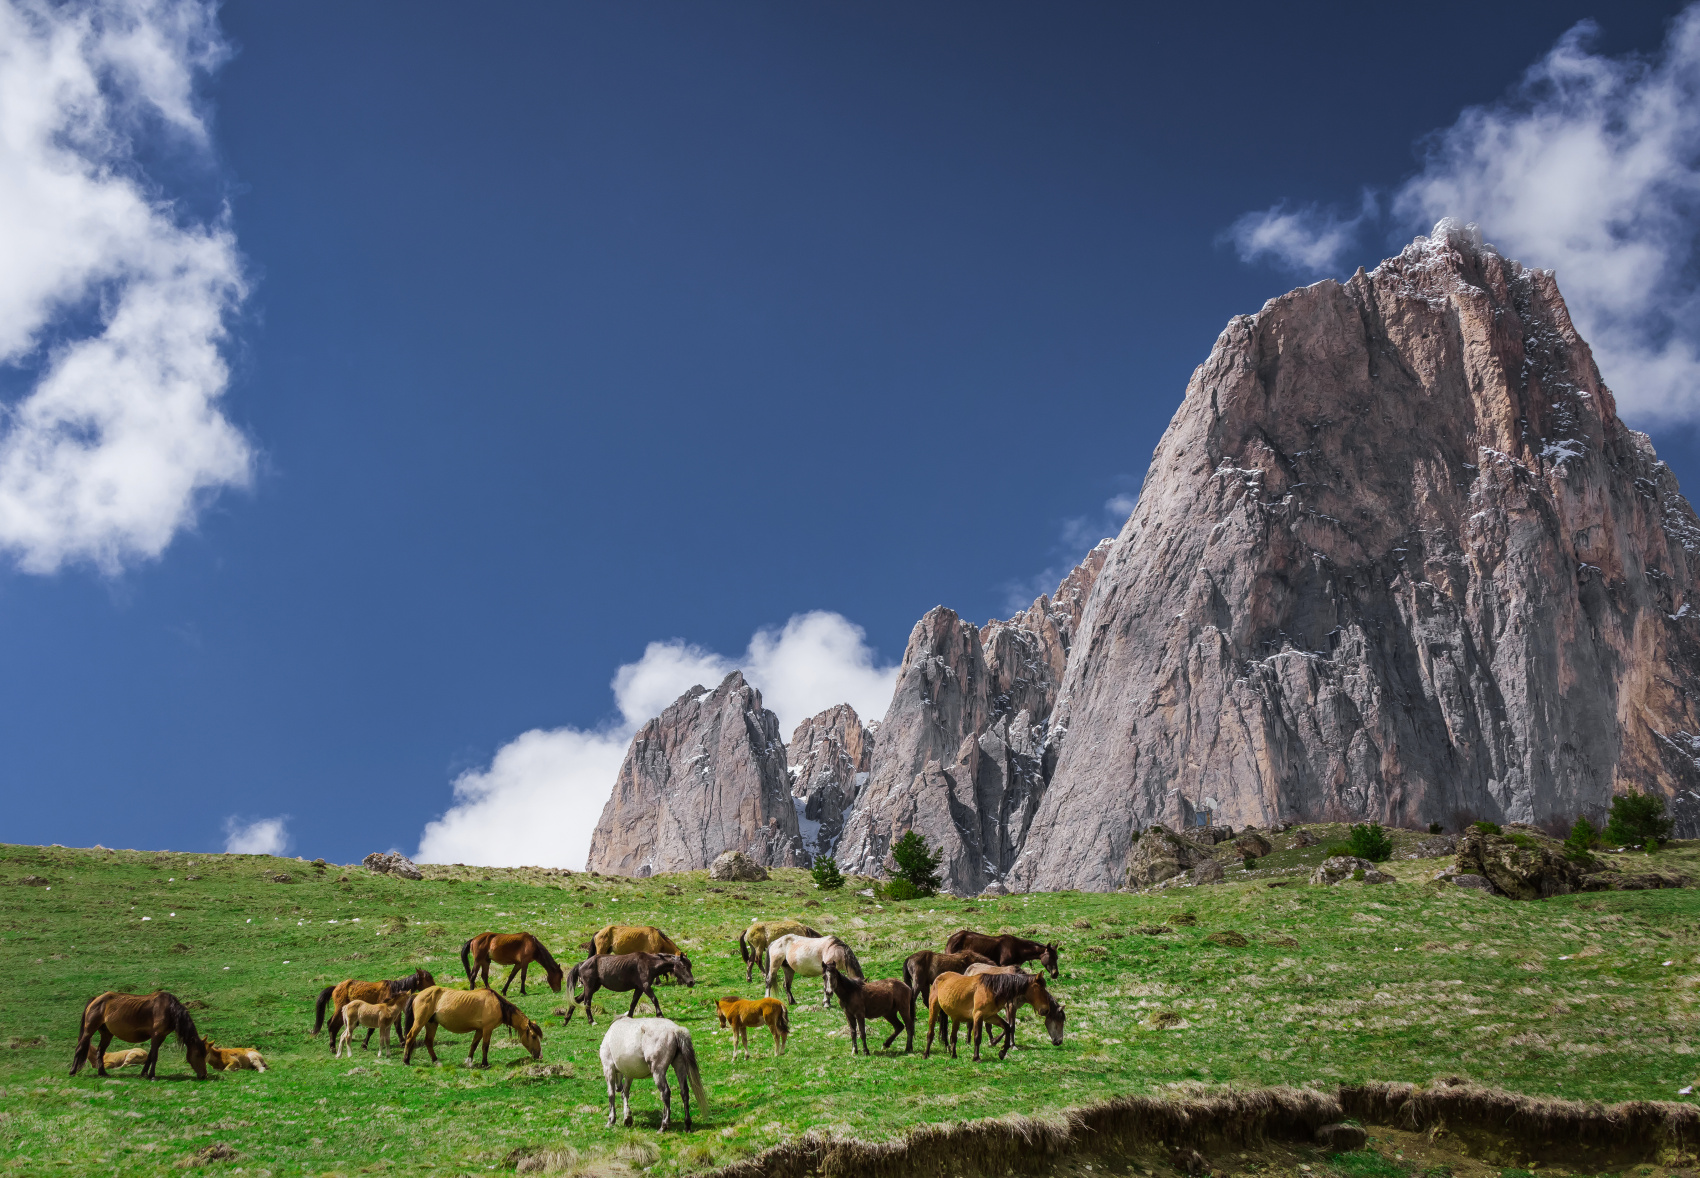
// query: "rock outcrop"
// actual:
[[736, 867], [708, 775], [829, 756], [961, 755], [1161, 854], [1339, 869], [392, 863], [1396, 559]]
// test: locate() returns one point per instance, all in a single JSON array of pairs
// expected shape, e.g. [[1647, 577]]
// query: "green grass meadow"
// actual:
[[1591, 996]]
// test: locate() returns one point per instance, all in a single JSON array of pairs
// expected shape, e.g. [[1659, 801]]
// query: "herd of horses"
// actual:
[[976, 984]]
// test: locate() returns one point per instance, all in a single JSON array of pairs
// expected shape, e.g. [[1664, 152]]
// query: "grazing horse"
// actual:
[[629, 938], [891, 1000], [974, 971], [959, 1000], [382, 993], [137, 1018], [753, 941], [460, 1011], [743, 1013], [516, 949], [234, 1059], [808, 956], [1005, 949], [637, 1047], [370, 1014], [624, 971], [921, 968]]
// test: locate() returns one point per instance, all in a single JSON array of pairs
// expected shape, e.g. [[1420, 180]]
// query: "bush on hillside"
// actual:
[[1489, 828], [1581, 839], [826, 873], [1370, 841], [1637, 819]]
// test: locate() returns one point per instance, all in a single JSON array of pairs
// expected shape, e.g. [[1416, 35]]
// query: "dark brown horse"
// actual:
[[621, 972], [138, 1018], [516, 949], [1005, 949], [921, 968], [378, 993], [861, 1000]]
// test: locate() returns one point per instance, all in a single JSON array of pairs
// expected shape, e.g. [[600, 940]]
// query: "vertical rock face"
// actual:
[[960, 756], [707, 775], [829, 755], [1396, 558]]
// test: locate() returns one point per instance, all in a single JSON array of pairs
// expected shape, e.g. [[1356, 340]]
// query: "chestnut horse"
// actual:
[[959, 1000], [743, 1013], [138, 1018], [1005, 949], [516, 949], [460, 1011], [382, 993], [629, 938]]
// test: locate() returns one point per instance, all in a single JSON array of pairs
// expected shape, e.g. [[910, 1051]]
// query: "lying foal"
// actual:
[[891, 1000], [741, 1014]]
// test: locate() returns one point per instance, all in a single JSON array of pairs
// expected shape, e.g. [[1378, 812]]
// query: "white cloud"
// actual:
[[1311, 240], [1592, 167], [539, 799], [263, 836], [111, 297]]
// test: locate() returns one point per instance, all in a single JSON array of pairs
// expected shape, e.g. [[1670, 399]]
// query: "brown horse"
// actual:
[[1005, 949], [382, 993], [516, 949], [629, 938], [137, 1018], [974, 971], [753, 941], [460, 1011], [742, 1013], [621, 972], [921, 968], [959, 1000], [891, 1000]]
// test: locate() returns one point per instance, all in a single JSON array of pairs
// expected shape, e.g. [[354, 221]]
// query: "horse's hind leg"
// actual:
[[626, 1098], [897, 1025], [367, 1045], [684, 1089], [666, 1091], [789, 974], [650, 990], [608, 1075]]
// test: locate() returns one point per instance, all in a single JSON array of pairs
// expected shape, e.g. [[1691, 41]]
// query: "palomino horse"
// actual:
[[742, 1013], [808, 956], [753, 941], [137, 1018], [959, 1000], [370, 1014], [516, 949], [974, 971], [1005, 949], [460, 1011], [380, 992], [637, 1047], [128, 1058], [234, 1059], [921, 968], [629, 938], [891, 1000], [621, 972]]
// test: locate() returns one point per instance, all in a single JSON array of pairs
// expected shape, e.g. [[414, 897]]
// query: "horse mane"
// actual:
[[839, 977], [1006, 987], [543, 956], [508, 1009], [181, 1020]]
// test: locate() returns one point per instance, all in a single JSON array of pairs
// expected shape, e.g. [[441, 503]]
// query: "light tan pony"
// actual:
[[742, 1013], [382, 1015], [958, 1000], [477, 1011], [753, 941], [234, 1059], [125, 1059]]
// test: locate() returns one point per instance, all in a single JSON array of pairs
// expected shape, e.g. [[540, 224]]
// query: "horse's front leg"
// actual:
[[974, 1033], [608, 1075], [1008, 1034], [151, 1068], [367, 1045], [524, 966], [510, 981], [100, 1053], [637, 992]]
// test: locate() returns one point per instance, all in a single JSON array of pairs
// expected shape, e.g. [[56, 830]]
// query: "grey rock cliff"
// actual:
[[708, 775], [1396, 558], [829, 755]]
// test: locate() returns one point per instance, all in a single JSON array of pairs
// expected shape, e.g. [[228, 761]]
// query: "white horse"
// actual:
[[809, 956], [637, 1047]]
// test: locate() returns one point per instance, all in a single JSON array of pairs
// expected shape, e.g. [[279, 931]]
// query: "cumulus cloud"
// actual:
[[113, 300], [1591, 167], [539, 799], [1312, 240], [262, 836]]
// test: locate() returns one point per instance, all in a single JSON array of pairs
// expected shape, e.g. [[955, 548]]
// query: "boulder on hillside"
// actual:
[[1531, 868], [392, 863], [1435, 846], [1252, 843], [1208, 871], [1161, 854], [736, 867], [1302, 838], [1210, 835], [1341, 868], [1633, 881]]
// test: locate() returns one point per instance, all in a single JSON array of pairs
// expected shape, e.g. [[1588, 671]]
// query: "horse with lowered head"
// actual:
[[622, 972], [516, 949], [975, 1002], [629, 938], [460, 1011], [637, 1047], [754, 941], [138, 1018], [1005, 949], [382, 993]]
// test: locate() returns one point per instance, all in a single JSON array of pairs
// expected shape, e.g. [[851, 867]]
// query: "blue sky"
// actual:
[[558, 330]]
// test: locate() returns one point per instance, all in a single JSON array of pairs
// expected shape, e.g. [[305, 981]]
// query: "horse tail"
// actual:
[[687, 1061], [744, 946], [784, 1020], [319, 1010], [407, 1015], [466, 963]]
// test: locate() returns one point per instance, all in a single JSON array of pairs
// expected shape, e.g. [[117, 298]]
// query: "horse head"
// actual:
[[1048, 958], [197, 1050], [1054, 1019], [422, 978], [531, 1035], [680, 967]]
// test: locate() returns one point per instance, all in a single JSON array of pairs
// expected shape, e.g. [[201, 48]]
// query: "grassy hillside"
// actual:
[[1570, 997]]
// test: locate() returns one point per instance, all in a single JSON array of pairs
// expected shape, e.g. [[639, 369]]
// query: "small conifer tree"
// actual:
[[917, 863], [826, 873]]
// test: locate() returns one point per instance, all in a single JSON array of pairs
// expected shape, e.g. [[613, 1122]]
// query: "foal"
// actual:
[[741, 1014], [370, 1014]]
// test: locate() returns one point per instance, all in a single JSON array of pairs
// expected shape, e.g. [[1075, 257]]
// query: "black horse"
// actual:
[[622, 972]]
